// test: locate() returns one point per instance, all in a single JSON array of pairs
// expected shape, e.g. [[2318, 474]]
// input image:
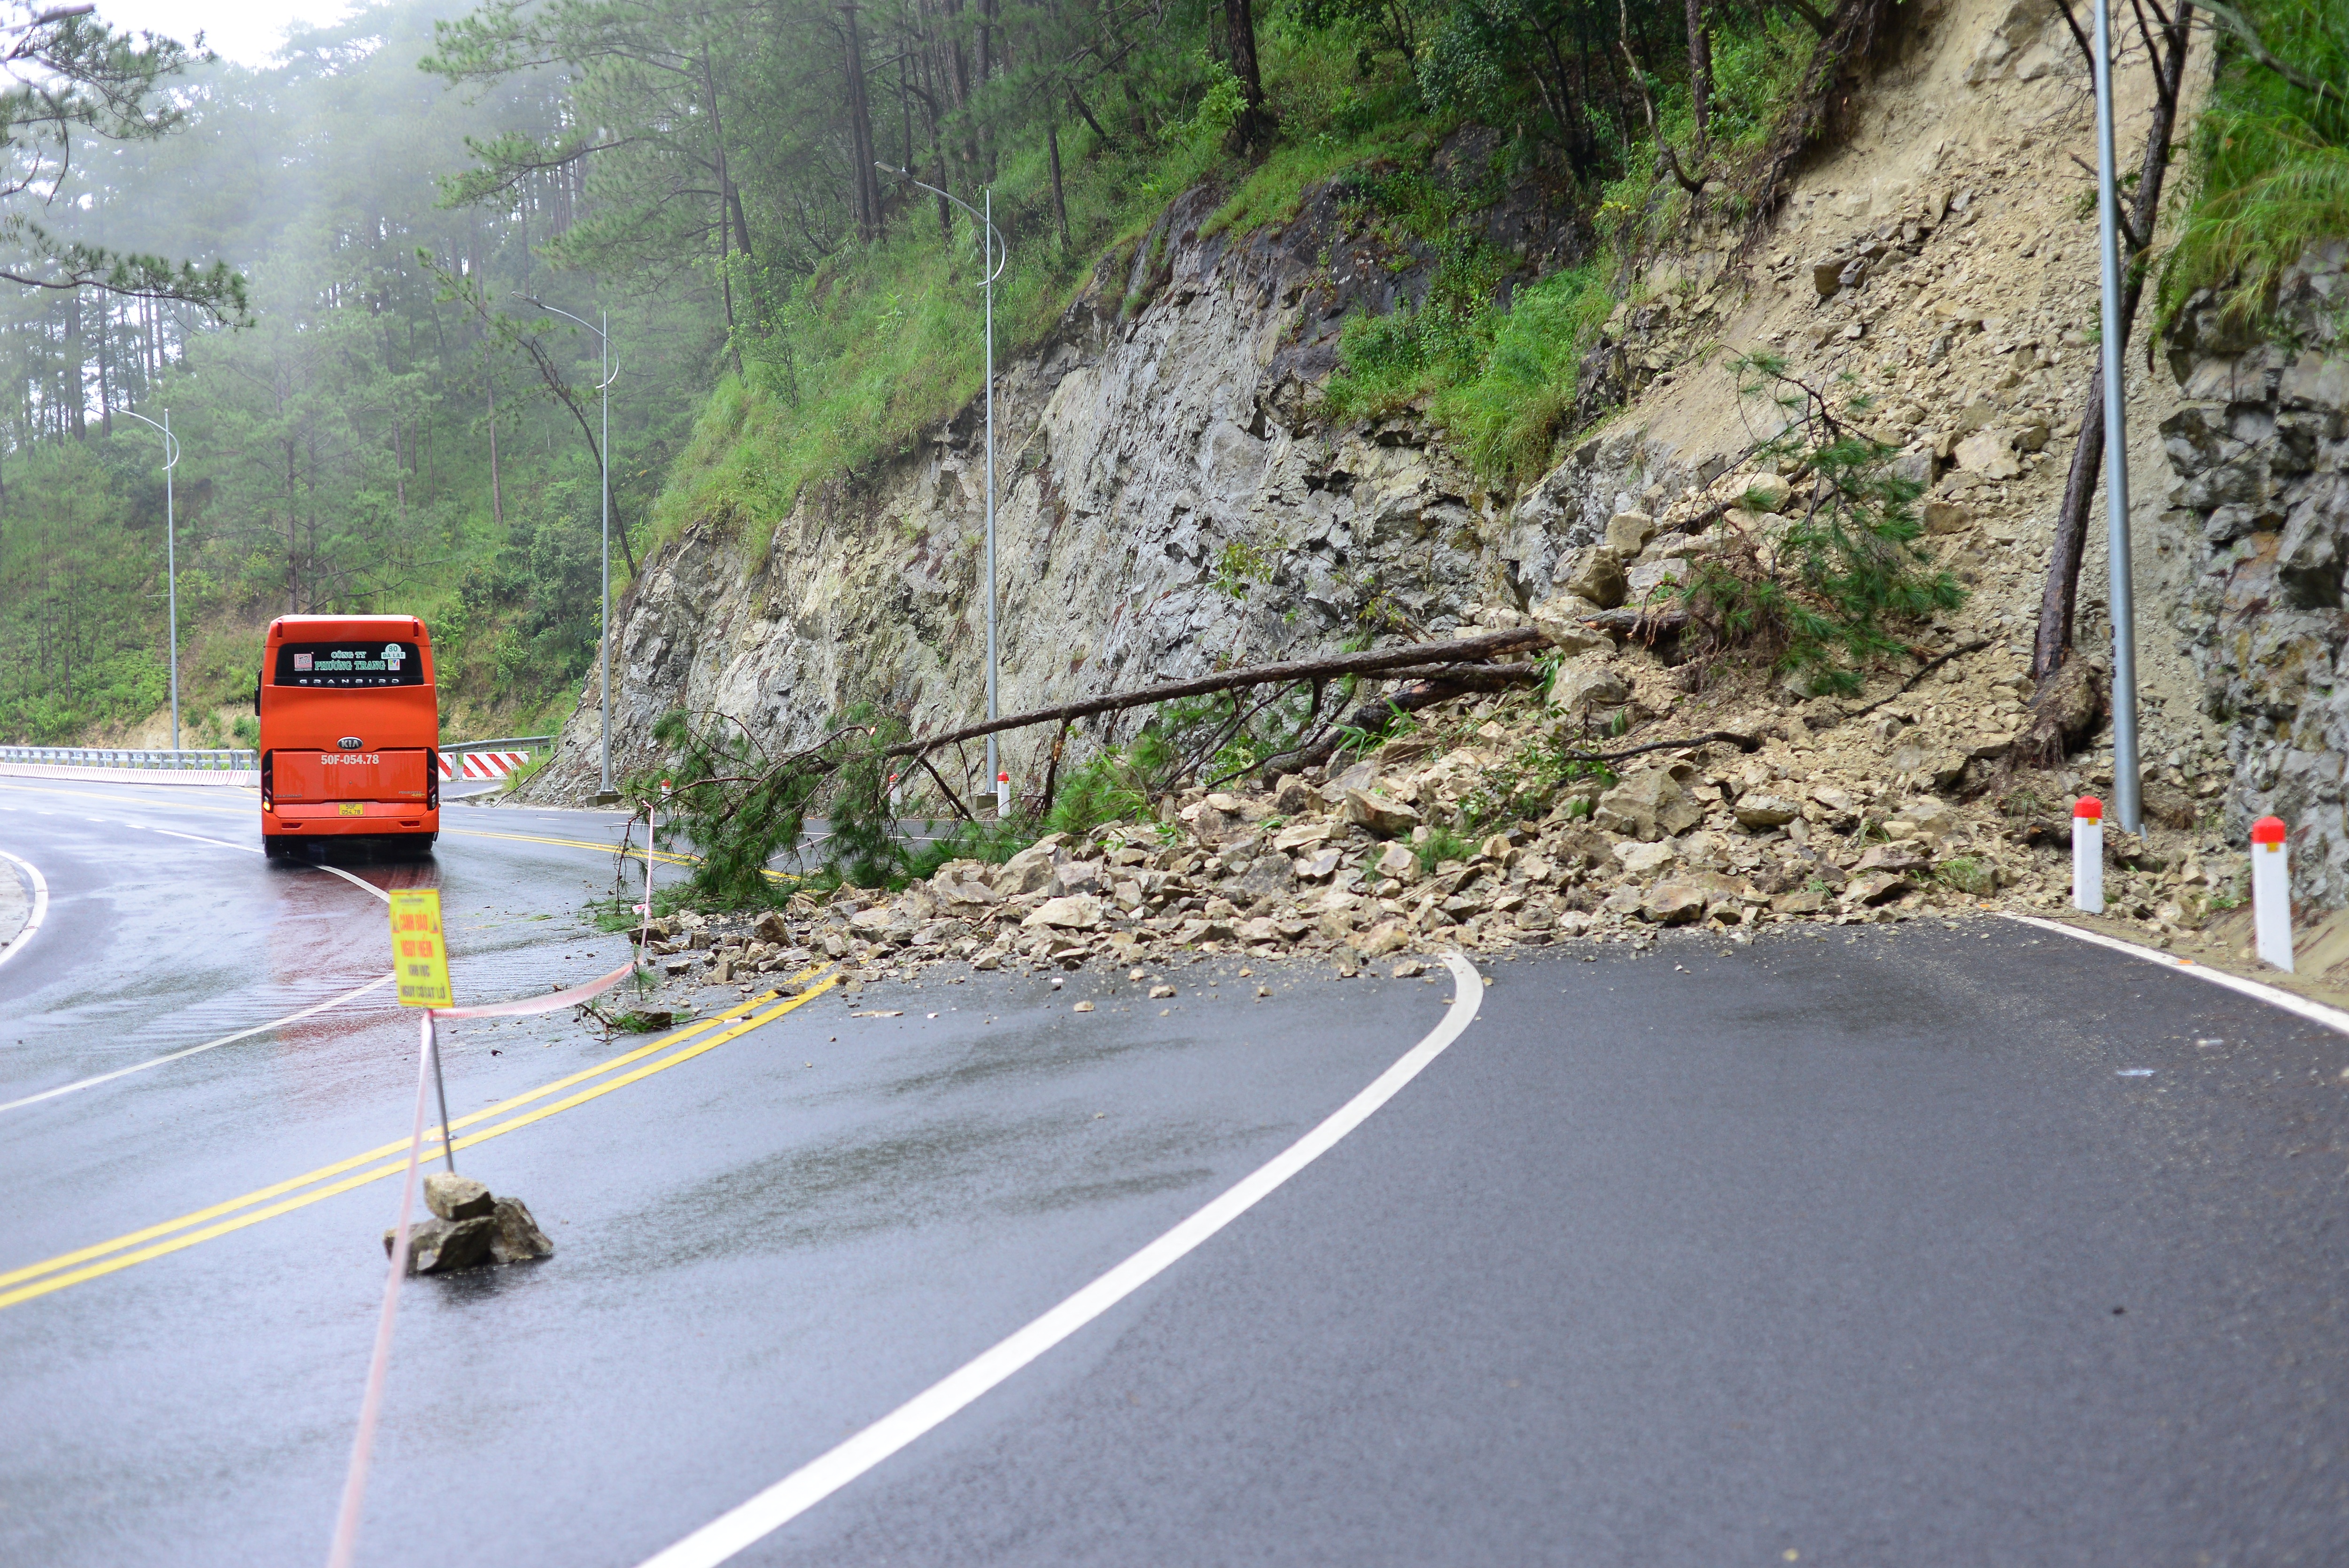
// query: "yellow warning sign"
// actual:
[[418, 958]]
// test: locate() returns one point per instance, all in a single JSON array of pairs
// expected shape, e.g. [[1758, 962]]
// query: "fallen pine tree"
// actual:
[[740, 806]]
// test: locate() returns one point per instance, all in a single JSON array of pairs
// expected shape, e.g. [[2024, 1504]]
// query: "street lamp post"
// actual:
[[2126, 780], [604, 603], [171, 555], [997, 256]]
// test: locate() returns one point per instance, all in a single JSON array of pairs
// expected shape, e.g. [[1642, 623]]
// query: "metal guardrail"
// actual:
[[234, 761], [511, 743], [164, 760]]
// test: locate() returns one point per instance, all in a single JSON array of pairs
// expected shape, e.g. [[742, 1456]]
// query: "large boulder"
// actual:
[[444, 1246], [1648, 806], [1875, 887], [1989, 453], [1644, 860], [1030, 871], [1767, 492], [1560, 621], [1272, 873], [1596, 574], [517, 1237], [962, 893], [1675, 901], [1388, 819], [454, 1197], [1758, 812], [1073, 912], [1627, 532], [1587, 685]]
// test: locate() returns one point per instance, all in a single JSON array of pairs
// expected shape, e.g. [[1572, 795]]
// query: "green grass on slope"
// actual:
[[2270, 161], [888, 339], [1502, 380]]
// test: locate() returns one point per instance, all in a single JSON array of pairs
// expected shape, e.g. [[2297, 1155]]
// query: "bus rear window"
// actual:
[[348, 664]]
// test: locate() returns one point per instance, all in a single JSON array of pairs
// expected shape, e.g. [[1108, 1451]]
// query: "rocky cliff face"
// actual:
[[2261, 455], [1165, 505]]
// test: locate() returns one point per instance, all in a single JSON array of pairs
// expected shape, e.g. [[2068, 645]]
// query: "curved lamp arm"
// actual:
[[590, 325], [171, 441], [1003, 248]]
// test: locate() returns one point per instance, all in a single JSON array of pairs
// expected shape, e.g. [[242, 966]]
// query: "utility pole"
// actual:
[[172, 557], [997, 256], [604, 793], [2126, 782]]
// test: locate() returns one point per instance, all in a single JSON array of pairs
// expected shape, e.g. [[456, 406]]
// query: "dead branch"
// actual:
[[1927, 668], [1742, 743], [1473, 677], [1645, 624], [1053, 770], [1411, 699], [1486, 645], [922, 759]]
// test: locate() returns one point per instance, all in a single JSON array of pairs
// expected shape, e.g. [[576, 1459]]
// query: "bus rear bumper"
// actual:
[[371, 818]]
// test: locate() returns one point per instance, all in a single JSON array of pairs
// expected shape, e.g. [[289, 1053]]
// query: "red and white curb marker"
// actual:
[[896, 794], [480, 764], [1003, 794], [2089, 855], [2271, 891]]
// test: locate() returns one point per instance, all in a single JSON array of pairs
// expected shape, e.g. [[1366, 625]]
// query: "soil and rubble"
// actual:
[[1839, 814]]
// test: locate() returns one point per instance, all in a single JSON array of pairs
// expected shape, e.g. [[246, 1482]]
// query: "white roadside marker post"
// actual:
[[896, 794], [2272, 893], [2089, 855], [1002, 795]]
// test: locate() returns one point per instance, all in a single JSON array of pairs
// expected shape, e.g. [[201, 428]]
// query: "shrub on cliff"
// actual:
[[2270, 157], [1822, 590]]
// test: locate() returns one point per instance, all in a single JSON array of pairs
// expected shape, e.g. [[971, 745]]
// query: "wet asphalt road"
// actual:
[[1705, 1256]]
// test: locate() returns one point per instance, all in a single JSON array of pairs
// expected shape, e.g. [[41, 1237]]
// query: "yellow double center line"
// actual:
[[267, 1202], [663, 857], [634, 852]]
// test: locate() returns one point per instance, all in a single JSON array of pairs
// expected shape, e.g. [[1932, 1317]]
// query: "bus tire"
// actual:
[[273, 845]]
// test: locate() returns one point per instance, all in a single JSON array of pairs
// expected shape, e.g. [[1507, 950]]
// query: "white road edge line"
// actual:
[[2315, 1012], [802, 1489], [248, 848], [200, 839], [18, 942], [40, 908], [192, 1050], [356, 883]]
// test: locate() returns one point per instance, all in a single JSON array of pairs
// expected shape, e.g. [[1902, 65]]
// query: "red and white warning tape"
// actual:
[[347, 1518], [480, 764]]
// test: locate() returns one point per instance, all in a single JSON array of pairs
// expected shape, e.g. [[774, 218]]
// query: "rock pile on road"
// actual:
[[468, 1226], [1834, 815]]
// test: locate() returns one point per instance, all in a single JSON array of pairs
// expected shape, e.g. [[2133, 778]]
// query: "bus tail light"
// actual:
[[268, 779], [431, 779]]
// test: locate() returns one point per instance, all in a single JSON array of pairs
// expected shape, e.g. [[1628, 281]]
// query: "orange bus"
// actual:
[[350, 730]]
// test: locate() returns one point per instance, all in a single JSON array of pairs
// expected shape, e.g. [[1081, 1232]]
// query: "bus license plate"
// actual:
[[351, 809]]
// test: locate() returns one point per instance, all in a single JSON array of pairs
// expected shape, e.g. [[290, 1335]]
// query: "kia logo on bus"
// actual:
[[349, 743]]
